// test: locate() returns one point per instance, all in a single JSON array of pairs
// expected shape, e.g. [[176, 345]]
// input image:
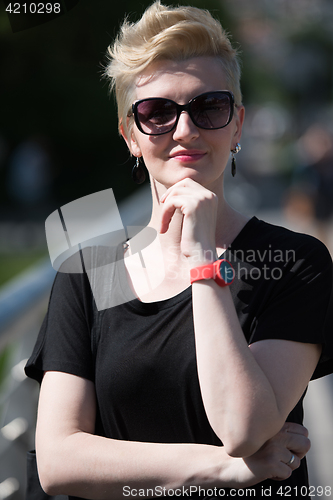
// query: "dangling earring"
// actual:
[[237, 149], [138, 173]]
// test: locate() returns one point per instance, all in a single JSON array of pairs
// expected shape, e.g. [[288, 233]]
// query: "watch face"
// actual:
[[227, 272]]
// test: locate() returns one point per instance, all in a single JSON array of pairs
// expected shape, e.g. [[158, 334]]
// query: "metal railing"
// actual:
[[22, 305]]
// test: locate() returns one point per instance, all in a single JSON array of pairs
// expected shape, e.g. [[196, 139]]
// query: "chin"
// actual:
[[191, 173], [207, 181]]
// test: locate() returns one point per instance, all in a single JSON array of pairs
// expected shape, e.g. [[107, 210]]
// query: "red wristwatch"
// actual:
[[221, 271]]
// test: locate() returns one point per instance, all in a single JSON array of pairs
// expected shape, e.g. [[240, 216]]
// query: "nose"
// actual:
[[185, 130]]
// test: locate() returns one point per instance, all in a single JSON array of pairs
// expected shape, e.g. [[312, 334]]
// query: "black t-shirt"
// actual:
[[145, 370]]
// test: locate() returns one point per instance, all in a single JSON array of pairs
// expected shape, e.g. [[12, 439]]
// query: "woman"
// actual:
[[211, 355]]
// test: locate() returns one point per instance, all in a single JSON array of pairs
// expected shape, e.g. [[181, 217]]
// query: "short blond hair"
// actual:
[[166, 33]]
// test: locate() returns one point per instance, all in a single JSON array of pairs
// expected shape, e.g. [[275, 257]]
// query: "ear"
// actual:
[[240, 115], [131, 141]]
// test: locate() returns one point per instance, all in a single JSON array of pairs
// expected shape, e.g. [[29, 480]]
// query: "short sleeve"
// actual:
[[64, 340], [300, 305]]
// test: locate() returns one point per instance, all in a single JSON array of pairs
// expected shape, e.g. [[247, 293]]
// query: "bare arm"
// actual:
[[71, 460], [247, 392]]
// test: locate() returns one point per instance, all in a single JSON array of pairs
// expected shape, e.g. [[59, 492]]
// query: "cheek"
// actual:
[[221, 142], [154, 148]]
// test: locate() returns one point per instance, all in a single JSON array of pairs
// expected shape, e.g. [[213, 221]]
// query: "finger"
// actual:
[[288, 462], [170, 206], [174, 191], [284, 470], [281, 472], [181, 187], [167, 215], [296, 438], [292, 460], [163, 197], [295, 428], [298, 444]]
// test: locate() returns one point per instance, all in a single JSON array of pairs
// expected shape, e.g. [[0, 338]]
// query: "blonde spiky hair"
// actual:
[[166, 33]]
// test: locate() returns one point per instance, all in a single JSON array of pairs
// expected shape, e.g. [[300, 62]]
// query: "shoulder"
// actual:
[[71, 293], [293, 245], [74, 286]]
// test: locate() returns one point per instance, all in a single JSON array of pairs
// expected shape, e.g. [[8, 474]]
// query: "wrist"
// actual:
[[202, 257], [211, 466], [221, 271], [220, 470]]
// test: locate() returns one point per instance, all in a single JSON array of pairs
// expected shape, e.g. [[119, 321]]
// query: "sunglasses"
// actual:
[[209, 111]]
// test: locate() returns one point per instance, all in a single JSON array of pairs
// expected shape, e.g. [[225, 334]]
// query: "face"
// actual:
[[186, 151]]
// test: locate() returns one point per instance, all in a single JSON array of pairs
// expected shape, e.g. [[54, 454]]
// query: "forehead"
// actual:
[[181, 80]]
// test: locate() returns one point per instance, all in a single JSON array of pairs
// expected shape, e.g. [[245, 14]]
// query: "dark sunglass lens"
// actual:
[[211, 110], [156, 116]]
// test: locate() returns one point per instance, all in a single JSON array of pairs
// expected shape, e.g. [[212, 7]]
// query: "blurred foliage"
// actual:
[[12, 264], [5, 357]]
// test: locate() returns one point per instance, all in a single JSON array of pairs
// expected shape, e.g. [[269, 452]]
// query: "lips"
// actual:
[[186, 155]]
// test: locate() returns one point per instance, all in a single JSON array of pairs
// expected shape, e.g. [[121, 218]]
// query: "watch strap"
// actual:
[[211, 271]]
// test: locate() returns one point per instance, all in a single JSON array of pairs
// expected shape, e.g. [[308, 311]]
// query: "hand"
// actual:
[[270, 462], [198, 206]]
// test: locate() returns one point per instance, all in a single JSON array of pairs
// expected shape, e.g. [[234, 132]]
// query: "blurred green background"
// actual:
[[58, 125]]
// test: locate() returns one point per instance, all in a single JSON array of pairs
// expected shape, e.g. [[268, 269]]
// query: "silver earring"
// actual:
[[138, 173], [237, 149]]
